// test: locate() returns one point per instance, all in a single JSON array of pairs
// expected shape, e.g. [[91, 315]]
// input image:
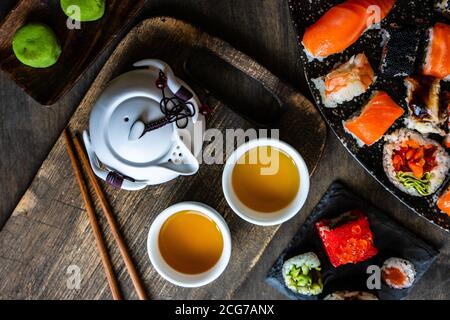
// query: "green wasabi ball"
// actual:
[[90, 10], [36, 45]]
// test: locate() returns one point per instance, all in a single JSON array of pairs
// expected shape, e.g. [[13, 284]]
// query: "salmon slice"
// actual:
[[444, 202], [343, 24], [375, 119], [437, 63]]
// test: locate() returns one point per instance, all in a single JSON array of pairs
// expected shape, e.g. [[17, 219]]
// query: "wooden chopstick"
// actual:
[[139, 288], [107, 265]]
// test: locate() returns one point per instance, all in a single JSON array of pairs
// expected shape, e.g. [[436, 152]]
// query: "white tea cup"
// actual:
[[265, 218], [169, 273]]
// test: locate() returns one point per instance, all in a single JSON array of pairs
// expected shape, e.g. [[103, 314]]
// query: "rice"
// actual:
[[301, 274], [354, 86], [433, 120], [394, 142], [402, 265], [351, 295]]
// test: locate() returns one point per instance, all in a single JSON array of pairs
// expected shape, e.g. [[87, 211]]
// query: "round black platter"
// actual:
[[405, 13]]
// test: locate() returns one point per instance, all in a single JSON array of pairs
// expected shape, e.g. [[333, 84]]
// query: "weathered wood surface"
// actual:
[[49, 229], [80, 47], [260, 28]]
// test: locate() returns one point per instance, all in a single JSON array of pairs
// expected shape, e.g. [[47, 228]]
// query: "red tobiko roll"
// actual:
[[348, 238]]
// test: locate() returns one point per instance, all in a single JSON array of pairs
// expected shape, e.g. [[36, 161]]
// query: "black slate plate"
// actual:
[[419, 13], [391, 239]]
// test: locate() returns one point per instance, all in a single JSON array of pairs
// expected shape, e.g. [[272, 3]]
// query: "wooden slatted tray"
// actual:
[[49, 229]]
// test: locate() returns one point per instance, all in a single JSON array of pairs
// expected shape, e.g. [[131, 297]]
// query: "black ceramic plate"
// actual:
[[419, 12], [353, 277]]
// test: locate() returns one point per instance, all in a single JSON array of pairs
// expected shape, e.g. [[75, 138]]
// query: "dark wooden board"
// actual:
[[80, 47], [405, 12], [50, 217]]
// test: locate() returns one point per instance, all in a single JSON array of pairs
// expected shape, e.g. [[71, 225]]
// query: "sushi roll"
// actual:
[[414, 164], [351, 295], [347, 238], [302, 274], [426, 114], [398, 273], [401, 46], [443, 7], [346, 81], [342, 25], [375, 118], [437, 61]]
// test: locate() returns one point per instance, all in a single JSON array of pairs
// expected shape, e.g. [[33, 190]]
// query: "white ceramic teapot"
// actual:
[[131, 142]]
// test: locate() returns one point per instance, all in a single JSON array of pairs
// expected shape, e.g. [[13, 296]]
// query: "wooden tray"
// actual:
[[80, 48], [49, 229], [405, 12]]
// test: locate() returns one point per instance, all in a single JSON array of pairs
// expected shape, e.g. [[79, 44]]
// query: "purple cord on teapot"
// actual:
[[176, 109]]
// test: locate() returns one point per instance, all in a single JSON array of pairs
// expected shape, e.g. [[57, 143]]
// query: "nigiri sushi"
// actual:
[[437, 61], [414, 164], [425, 114], [443, 202], [375, 118], [346, 81], [400, 51], [342, 25], [446, 106]]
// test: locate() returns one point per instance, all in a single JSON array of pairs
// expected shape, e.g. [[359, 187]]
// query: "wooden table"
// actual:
[[260, 28]]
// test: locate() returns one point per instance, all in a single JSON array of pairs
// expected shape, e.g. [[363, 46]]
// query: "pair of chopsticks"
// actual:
[[103, 251]]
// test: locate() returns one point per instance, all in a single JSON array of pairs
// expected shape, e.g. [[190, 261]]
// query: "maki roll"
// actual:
[[347, 238], [437, 61], [351, 295], [398, 273], [375, 118], [426, 114], [346, 81], [400, 51], [414, 164], [302, 274]]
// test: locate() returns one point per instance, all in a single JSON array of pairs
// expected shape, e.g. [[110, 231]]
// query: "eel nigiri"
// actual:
[[374, 120], [346, 81], [446, 104], [437, 61], [425, 112], [342, 25]]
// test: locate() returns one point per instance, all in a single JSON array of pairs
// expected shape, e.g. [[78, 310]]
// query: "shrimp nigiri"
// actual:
[[342, 25]]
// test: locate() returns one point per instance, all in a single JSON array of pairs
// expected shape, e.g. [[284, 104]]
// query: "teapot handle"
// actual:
[[108, 175], [182, 91]]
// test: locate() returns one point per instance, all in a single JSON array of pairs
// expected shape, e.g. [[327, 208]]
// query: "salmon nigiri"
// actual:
[[346, 81], [374, 120], [443, 202], [437, 62], [342, 25]]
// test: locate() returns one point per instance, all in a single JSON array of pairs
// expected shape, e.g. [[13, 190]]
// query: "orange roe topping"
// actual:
[[394, 276]]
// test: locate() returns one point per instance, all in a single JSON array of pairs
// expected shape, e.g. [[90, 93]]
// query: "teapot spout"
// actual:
[[184, 169]]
